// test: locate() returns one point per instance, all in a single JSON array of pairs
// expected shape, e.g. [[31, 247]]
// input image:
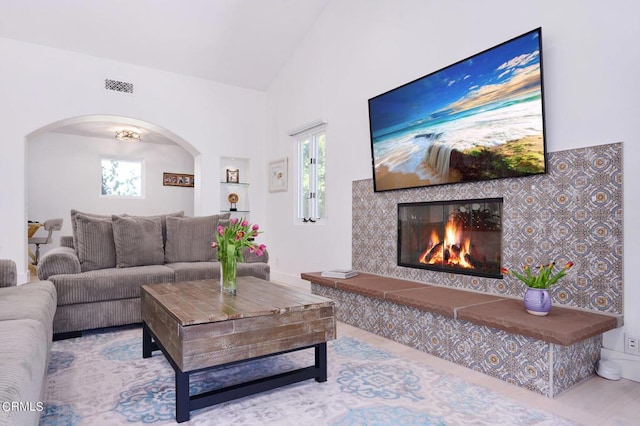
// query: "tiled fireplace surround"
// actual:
[[574, 212]]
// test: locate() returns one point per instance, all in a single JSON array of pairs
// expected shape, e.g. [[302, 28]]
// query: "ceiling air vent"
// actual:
[[118, 86]]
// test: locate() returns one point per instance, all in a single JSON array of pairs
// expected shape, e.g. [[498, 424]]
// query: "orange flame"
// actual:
[[457, 249]]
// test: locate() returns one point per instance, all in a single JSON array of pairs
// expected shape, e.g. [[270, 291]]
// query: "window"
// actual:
[[311, 199], [121, 178]]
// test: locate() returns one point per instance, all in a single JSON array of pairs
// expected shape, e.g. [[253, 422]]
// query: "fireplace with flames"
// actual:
[[463, 237]]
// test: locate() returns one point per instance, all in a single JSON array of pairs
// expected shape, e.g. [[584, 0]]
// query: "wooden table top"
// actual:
[[199, 302]]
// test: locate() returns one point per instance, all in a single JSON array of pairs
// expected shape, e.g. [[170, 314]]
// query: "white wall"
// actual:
[[361, 48], [42, 86], [63, 173]]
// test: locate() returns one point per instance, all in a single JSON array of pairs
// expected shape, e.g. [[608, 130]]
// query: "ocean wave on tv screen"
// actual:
[[405, 151]]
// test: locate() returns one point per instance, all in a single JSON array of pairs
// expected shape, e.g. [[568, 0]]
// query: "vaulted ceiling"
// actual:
[[243, 43]]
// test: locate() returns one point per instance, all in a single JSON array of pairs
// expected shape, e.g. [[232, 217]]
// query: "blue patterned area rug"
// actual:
[[102, 379]]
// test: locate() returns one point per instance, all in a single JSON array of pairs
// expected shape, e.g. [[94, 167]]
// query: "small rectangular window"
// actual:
[[121, 178]]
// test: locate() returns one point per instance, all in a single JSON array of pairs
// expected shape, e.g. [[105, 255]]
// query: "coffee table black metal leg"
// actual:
[[182, 396], [321, 362], [185, 402], [147, 342]]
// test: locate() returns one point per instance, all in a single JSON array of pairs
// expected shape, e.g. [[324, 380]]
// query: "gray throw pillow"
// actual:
[[189, 239], [95, 245], [163, 220], [138, 241], [74, 227]]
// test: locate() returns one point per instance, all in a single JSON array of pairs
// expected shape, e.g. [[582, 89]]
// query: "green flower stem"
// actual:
[[229, 264]]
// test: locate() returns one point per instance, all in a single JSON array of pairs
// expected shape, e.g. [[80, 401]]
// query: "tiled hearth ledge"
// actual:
[[488, 333]]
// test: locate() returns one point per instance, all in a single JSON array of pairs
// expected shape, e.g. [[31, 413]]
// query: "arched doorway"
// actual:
[[63, 169]]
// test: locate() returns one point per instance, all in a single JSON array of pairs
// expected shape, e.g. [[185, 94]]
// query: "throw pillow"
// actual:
[[74, 227], [95, 245], [138, 241], [163, 220], [224, 219], [189, 239]]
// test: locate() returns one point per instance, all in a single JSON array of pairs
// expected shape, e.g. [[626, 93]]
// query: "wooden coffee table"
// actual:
[[197, 327]]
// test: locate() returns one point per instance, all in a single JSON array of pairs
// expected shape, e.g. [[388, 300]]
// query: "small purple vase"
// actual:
[[537, 301]]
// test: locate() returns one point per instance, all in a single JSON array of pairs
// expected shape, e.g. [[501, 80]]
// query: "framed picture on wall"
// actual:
[[233, 176], [278, 176], [178, 179]]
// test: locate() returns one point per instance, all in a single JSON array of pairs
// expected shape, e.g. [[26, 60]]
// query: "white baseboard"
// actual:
[[629, 364]]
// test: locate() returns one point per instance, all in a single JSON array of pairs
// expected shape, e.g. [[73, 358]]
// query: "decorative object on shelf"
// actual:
[[233, 200], [537, 299], [278, 176], [230, 241], [128, 136], [178, 179], [233, 176]]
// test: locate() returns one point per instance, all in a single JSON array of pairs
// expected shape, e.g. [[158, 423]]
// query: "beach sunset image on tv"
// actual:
[[478, 119]]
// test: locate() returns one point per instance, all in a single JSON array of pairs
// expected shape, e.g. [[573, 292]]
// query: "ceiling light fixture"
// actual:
[[128, 136]]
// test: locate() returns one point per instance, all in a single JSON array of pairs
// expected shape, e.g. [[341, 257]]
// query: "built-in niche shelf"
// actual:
[[234, 173]]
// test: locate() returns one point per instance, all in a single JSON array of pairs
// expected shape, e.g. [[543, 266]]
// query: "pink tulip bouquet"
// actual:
[[230, 240]]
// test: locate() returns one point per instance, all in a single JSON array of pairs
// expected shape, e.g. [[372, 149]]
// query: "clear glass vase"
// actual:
[[228, 271]]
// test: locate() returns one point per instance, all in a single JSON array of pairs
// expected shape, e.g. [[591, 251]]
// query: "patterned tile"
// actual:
[[533, 364], [574, 364], [574, 212]]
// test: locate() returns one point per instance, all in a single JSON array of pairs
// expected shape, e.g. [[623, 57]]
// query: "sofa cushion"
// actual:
[[189, 239], [24, 353], [74, 227], [224, 219], [258, 269], [192, 271], [138, 241], [36, 300], [108, 284], [163, 220], [95, 246]]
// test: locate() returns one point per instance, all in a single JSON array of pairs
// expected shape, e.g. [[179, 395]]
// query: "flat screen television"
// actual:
[[481, 118]]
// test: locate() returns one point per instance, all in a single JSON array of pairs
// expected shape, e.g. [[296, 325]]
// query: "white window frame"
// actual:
[[122, 159], [309, 132]]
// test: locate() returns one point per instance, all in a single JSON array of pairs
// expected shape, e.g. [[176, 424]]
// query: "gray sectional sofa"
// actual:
[[99, 271], [26, 324]]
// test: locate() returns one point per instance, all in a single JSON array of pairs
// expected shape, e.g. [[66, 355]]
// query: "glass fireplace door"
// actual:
[[453, 236]]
